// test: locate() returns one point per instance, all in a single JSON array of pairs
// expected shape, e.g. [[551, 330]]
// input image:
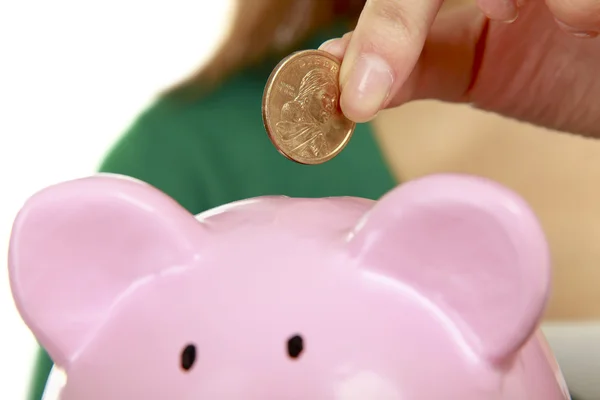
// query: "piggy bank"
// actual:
[[433, 292]]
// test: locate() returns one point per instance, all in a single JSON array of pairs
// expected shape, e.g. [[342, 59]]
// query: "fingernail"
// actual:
[[512, 8], [576, 32], [512, 18], [367, 88], [505, 11], [334, 47], [326, 44]]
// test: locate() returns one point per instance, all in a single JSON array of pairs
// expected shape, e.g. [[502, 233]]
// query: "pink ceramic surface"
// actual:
[[433, 292]]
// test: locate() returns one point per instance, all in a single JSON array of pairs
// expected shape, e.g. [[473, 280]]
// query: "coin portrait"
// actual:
[[301, 108]]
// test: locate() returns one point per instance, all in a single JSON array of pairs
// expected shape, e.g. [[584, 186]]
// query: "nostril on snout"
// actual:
[[295, 346]]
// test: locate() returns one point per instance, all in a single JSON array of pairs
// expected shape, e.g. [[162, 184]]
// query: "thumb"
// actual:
[[382, 52], [443, 68]]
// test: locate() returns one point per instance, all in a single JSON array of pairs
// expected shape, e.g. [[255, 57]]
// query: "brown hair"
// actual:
[[265, 27], [312, 81]]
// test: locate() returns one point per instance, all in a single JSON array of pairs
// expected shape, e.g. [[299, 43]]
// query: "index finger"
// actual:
[[382, 52]]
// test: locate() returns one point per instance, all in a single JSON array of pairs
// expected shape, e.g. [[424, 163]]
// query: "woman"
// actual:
[[203, 142]]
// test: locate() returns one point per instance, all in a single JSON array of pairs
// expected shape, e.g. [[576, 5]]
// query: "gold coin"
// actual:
[[301, 108]]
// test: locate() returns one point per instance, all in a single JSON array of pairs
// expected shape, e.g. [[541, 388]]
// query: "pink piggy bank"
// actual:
[[433, 292]]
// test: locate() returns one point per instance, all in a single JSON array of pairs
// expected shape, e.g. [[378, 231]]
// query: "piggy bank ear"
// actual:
[[467, 246], [77, 247]]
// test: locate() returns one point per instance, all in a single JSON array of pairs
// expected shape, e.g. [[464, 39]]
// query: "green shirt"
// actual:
[[215, 150]]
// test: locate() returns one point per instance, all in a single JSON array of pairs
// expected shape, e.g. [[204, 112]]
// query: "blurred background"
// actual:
[[75, 74]]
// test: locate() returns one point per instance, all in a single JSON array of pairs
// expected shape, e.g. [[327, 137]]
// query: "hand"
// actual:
[[542, 66]]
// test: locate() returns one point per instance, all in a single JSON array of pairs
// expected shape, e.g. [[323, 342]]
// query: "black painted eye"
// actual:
[[295, 346], [188, 357]]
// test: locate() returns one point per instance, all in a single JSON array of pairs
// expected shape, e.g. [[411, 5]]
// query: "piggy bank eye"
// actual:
[[188, 357], [295, 346]]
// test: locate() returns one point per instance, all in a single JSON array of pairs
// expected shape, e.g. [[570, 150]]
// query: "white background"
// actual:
[[73, 74]]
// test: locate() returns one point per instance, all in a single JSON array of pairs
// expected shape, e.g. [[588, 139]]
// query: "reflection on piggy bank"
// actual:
[[433, 292]]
